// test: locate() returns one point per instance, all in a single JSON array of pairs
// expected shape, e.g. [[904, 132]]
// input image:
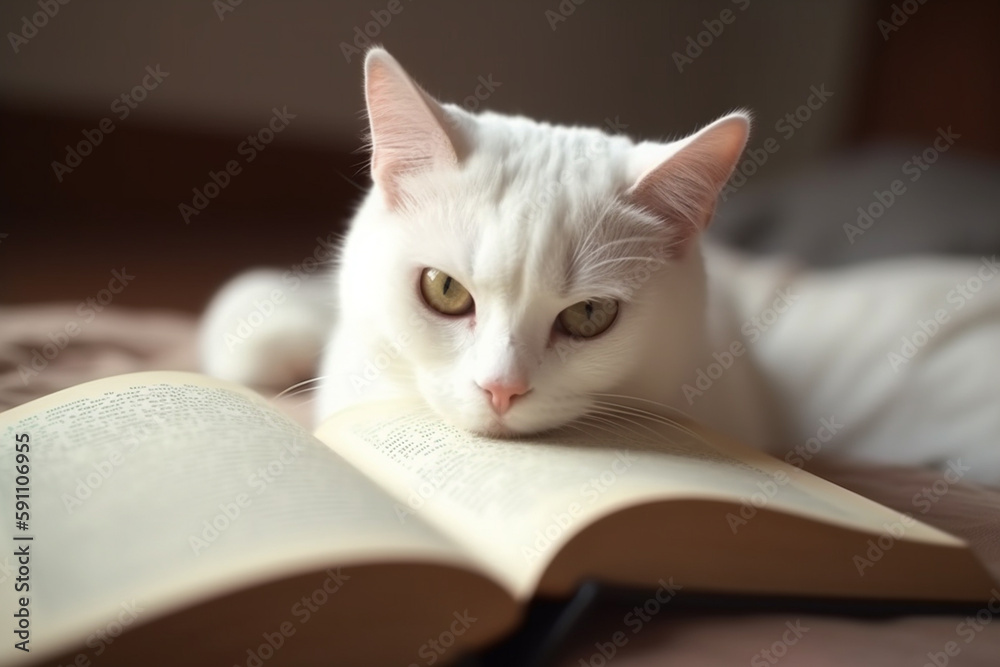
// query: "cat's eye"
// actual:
[[586, 319], [444, 294]]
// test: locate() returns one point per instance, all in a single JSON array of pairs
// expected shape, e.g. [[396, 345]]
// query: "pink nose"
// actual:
[[502, 394]]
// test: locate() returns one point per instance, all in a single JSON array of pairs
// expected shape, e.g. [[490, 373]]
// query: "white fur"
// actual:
[[532, 218], [266, 328]]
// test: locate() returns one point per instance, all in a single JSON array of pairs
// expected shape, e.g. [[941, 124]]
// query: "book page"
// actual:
[[155, 490], [516, 502]]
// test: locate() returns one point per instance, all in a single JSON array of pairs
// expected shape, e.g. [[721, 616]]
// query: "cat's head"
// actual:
[[520, 270]]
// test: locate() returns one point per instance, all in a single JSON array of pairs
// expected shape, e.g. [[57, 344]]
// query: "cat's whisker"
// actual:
[[631, 409], [630, 258], [584, 249], [645, 400], [299, 392], [300, 384], [601, 417], [638, 240], [653, 433], [645, 414], [618, 417], [351, 181], [591, 427], [652, 416], [636, 411], [586, 420], [570, 425], [624, 416]]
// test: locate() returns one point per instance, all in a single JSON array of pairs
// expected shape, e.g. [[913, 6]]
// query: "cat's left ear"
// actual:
[[682, 188], [410, 130]]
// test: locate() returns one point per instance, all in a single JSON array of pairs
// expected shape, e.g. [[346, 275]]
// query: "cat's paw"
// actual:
[[260, 331]]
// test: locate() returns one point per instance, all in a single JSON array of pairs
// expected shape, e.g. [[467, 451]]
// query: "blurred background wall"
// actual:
[[211, 73]]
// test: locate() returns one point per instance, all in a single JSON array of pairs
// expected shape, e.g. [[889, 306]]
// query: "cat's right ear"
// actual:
[[410, 130], [680, 182]]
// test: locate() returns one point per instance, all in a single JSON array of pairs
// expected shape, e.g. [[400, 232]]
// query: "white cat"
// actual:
[[518, 276]]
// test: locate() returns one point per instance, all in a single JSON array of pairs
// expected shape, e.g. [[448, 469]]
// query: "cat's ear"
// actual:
[[682, 188], [410, 130]]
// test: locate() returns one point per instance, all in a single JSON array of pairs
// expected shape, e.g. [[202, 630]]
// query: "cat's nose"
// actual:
[[502, 394]]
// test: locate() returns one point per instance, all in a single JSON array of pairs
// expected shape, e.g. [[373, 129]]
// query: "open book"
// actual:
[[172, 518]]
